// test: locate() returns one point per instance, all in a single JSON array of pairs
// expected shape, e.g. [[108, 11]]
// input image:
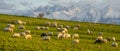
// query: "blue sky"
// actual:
[[8, 6]]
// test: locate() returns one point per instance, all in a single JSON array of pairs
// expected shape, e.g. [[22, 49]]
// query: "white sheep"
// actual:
[[16, 35], [10, 26], [89, 32], [47, 23], [28, 36], [46, 38], [114, 44], [75, 36], [75, 41], [113, 39], [27, 31], [37, 28], [104, 40], [75, 28], [8, 29], [67, 36], [99, 38], [21, 27], [100, 33], [54, 24], [60, 35], [18, 22], [22, 33]]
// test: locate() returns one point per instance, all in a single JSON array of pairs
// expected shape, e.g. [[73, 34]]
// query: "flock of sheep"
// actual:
[[62, 33]]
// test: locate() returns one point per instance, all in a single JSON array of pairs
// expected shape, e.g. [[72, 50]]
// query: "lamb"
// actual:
[[27, 31], [75, 36], [100, 33], [50, 33], [47, 23], [8, 29], [21, 27], [60, 35], [67, 36], [114, 44], [54, 24], [16, 35], [75, 41], [44, 34], [113, 39], [46, 38], [89, 32], [28, 36], [10, 26], [37, 28]]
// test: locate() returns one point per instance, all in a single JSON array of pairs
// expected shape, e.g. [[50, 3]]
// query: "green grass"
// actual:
[[7, 43]]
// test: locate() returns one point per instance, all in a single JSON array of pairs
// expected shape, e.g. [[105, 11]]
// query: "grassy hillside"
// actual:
[[8, 43]]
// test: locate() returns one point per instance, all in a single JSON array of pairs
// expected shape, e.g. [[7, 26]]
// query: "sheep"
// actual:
[[27, 31], [18, 22], [37, 28], [22, 33], [8, 29], [113, 39], [46, 38], [28, 36], [21, 27], [104, 40], [43, 34], [100, 33], [47, 23], [10, 26], [60, 35], [89, 32], [46, 28], [67, 36], [75, 41], [50, 33], [75, 28], [67, 27], [99, 39], [16, 35], [54, 24], [75, 36], [60, 26], [114, 44]]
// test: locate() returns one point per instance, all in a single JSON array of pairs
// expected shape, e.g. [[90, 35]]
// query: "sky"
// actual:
[[16, 6]]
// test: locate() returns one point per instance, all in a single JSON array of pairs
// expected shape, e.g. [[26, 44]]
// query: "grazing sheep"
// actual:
[[37, 28], [60, 35], [114, 44], [67, 36], [75, 36], [23, 23], [18, 22], [50, 33], [43, 28], [43, 34], [60, 26], [28, 36], [113, 39], [22, 33], [27, 31], [100, 33], [89, 32], [47, 23], [8, 29], [46, 28], [16, 35], [54, 24], [75, 41], [10, 26], [67, 27], [21, 27], [99, 39], [46, 38], [104, 40], [75, 28]]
